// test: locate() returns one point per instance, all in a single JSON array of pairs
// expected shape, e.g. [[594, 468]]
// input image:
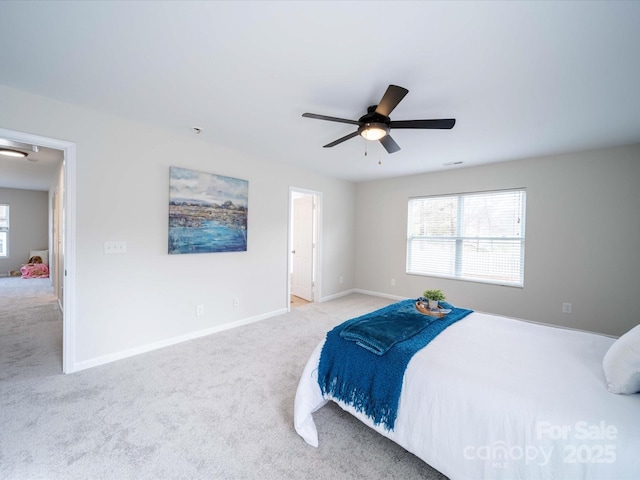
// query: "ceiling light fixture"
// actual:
[[14, 149], [374, 131], [12, 153]]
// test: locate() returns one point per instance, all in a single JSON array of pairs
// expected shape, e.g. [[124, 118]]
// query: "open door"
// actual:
[[303, 242], [57, 240], [302, 253], [65, 237]]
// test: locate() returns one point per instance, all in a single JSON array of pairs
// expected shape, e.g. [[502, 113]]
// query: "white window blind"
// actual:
[[471, 236], [4, 230]]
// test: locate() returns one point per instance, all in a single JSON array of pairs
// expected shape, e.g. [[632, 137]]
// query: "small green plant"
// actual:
[[435, 295]]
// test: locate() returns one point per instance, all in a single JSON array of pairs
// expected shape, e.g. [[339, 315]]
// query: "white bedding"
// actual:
[[493, 397]]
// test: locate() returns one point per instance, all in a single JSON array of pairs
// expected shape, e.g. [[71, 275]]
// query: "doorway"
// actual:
[[303, 284], [62, 240]]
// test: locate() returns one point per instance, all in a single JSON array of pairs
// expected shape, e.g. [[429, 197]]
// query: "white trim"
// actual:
[[69, 205], [337, 295], [112, 357], [69, 277], [378, 294]]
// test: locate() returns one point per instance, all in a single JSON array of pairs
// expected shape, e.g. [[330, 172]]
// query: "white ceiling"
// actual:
[[522, 78]]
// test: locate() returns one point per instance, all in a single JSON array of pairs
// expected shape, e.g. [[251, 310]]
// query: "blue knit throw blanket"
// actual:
[[366, 369]]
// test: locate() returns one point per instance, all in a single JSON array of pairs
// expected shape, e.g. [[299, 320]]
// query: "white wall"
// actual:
[[147, 297], [582, 238], [28, 225]]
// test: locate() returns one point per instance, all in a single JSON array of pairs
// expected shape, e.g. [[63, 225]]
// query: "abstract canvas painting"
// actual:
[[207, 212]]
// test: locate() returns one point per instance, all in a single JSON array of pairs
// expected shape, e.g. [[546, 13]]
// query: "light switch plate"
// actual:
[[115, 247]]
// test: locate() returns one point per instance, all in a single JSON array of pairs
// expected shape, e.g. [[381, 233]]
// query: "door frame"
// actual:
[[317, 251], [69, 233]]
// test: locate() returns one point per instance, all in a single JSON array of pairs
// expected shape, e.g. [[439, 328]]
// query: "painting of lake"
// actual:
[[207, 212]]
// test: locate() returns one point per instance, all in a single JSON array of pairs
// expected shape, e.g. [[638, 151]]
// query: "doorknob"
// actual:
[[293, 251]]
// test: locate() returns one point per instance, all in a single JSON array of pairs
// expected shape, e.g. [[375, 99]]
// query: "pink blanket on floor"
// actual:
[[35, 270]]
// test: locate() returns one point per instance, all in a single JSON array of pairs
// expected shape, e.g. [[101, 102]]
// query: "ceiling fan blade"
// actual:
[[391, 99], [343, 139], [445, 123], [330, 119], [389, 144]]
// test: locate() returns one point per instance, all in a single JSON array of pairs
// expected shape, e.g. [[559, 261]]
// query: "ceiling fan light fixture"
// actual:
[[12, 153], [376, 123], [374, 131]]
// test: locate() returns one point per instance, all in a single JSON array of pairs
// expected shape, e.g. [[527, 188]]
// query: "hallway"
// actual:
[[30, 329]]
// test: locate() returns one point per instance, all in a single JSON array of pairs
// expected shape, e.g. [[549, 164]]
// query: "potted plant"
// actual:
[[434, 296]]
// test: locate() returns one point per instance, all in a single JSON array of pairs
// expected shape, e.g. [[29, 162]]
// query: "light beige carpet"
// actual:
[[220, 407]]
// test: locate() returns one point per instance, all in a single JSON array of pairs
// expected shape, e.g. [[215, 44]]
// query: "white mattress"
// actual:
[[493, 397]]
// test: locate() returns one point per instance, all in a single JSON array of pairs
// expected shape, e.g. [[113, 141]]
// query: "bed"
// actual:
[[495, 397], [37, 266]]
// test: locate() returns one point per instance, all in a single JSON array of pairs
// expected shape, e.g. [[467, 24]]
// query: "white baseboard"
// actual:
[[336, 295], [378, 294], [112, 357], [364, 292]]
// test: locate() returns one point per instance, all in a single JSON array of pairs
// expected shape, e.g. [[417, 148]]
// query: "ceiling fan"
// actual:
[[376, 124]]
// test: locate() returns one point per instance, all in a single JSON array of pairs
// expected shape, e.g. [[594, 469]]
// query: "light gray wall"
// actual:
[[582, 238], [28, 223], [582, 233], [147, 297]]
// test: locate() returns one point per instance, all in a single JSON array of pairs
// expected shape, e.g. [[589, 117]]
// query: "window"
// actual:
[[4, 231], [471, 236]]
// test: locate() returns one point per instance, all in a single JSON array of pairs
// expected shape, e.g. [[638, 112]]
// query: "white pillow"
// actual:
[[43, 254], [621, 363]]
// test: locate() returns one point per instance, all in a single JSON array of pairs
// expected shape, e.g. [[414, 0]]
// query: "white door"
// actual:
[[58, 247], [53, 259], [302, 253]]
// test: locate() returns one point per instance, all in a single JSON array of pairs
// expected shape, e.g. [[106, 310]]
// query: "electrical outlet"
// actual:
[[236, 302], [567, 307], [199, 310], [393, 282]]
